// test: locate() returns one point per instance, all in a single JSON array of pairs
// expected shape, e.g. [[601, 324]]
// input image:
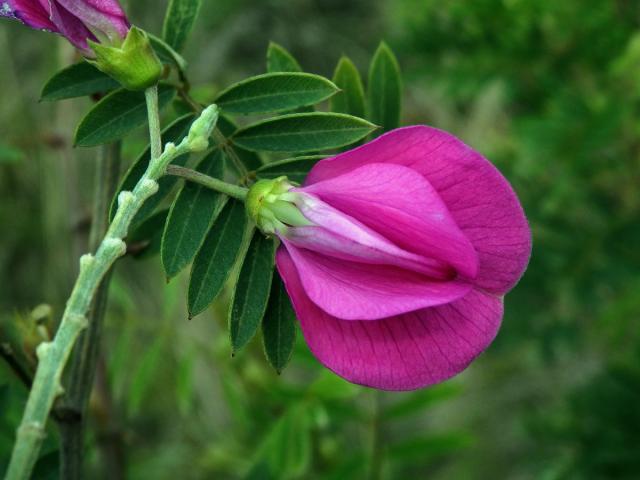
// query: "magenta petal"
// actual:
[[105, 16], [401, 205], [357, 291], [480, 200], [31, 13], [403, 352], [71, 27]]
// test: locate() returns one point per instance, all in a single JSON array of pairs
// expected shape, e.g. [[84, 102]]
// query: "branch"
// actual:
[[54, 355], [234, 191]]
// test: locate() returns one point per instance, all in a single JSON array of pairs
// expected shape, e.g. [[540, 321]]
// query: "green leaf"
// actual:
[[303, 132], [216, 257], [116, 115], [146, 239], [275, 92], [178, 22], [279, 326], [296, 169], [251, 294], [351, 98], [166, 54], [190, 217], [75, 81], [250, 160], [280, 60], [173, 133], [384, 90]]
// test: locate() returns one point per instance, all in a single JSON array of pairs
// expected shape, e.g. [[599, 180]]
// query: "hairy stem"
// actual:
[[233, 191], [81, 372], [54, 355]]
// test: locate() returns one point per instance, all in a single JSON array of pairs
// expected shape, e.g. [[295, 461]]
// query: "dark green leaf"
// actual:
[[303, 132], [279, 60], [351, 97], [190, 218], [166, 54], [251, 294], [116, 115], [178, 22], [250, 160], [384, 90], [296, 169], [216, 257], [275, 92], [77, 80], [146, 239], [173, 133], [279, 326]]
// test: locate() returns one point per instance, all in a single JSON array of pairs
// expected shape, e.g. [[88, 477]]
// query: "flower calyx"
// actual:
[[134, 63], [271, 204]]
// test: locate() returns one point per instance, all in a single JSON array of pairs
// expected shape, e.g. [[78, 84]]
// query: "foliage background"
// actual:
[[548, 90]]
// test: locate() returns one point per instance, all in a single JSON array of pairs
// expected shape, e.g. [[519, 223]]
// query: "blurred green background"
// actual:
[[549, 91]]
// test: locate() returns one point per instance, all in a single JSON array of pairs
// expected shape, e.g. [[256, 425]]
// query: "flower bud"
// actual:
[[272, 206], [202, 128], [77, 20], [134, 63]]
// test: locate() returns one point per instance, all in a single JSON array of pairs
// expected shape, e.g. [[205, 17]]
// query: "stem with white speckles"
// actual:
[[54, 355]]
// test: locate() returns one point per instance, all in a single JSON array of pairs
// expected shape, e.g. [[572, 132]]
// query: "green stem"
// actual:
[[153, 112], [54, 355], [72, 411], [233, 191]]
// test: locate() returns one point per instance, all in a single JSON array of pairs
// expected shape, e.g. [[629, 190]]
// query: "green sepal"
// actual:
[[134, 64]]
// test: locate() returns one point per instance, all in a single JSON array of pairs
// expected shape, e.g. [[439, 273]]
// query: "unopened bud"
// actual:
[[202, 128]]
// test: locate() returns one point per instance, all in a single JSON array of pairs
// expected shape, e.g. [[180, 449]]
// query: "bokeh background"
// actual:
[[548, 90]]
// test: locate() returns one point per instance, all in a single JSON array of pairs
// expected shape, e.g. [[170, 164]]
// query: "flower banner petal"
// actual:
[[404, 352], [479, 198]]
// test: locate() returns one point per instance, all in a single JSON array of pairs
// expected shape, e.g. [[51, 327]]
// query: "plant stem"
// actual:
[[233, 191], [72, 411], [53, 355]]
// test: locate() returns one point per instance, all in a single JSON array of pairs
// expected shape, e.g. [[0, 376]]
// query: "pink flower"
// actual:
[[102, 21], [398, 266]]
